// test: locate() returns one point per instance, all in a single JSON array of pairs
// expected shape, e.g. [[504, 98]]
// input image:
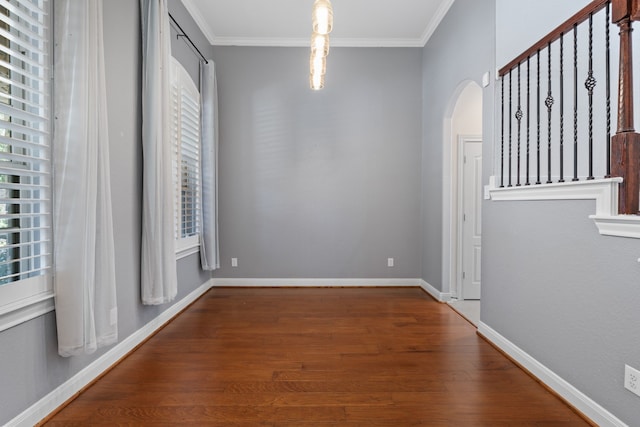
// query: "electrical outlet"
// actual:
[[632, 379], [389, 262], [234, 262]]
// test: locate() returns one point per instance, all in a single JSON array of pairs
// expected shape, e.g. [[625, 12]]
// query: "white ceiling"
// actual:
[[288, 22]]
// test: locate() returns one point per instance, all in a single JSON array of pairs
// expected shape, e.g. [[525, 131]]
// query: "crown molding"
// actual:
[[435, 22], [335, 42], [197, 16], [202, 23]]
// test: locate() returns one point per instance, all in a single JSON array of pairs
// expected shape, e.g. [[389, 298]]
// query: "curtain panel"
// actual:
[[209, 249], [84, 279], [159, 281]]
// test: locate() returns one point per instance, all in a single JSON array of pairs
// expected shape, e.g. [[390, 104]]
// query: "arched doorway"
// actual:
[[462, 191]]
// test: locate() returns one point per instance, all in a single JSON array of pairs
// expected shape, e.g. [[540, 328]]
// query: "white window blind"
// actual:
[[186, 137], [25, 201]]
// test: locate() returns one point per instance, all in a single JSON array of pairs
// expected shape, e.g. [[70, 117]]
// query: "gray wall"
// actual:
[[566, 295], [319, 184], [461, 49], [552, 285], [30, 367]]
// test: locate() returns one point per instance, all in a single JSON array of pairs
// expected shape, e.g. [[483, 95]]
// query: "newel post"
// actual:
[[625, 144]]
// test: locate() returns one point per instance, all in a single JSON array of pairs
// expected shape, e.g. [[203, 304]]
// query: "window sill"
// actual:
[[603, 191], [25, 299], [187, 246], [23, 310]]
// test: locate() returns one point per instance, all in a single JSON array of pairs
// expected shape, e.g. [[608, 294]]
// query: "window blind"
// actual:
[[190, 164], [185, 107], [25, 158]]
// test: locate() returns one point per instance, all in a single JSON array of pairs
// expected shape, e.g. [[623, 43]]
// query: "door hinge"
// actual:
[[464, 275], [464, 217]]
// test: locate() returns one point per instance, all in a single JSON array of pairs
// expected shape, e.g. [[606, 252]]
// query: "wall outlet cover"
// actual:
[[632, 379]]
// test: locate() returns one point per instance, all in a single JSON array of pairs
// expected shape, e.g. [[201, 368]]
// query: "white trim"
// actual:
[[575, 397], [25, 299], [435, 21], [335, 42], [187, 246], [185, 252], [440, 296], [297, 42], [45, 406], [214, 40], [603, 191], [26, 309], [618, 225], [303, 283], [200, 21]]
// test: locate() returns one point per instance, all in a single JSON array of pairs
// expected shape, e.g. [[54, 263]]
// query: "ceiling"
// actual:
[[361, 23]]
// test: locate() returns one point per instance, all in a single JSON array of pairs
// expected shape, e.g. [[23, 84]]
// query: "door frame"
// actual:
[[449, 220], [458, 241]]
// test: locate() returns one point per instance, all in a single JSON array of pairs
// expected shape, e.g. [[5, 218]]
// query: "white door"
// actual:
[[472, 219]]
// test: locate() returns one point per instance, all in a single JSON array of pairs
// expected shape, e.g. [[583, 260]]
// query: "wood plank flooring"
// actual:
[[317, 357]]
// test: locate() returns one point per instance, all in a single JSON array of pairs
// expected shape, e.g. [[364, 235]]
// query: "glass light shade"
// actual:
[[319, 44], [322, 17], [318, 64], [316, 81]]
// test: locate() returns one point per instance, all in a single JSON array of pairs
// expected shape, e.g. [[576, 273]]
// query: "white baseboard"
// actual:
[[575, 397], [45, 406], [301, 283], [440, 296]]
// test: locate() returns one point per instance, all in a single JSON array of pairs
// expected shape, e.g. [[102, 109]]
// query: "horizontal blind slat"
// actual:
[[22, 129], [20, 85], [21, 114], [34, 9]]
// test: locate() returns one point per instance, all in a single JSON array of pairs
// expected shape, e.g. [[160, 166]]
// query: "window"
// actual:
[[185, 107], [25, 182]]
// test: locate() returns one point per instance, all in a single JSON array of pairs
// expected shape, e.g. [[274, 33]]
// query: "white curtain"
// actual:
[[209, 250], [159, 278], [85, 282]]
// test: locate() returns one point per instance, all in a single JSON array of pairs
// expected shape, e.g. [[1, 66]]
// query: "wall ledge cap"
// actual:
[[604, 191]]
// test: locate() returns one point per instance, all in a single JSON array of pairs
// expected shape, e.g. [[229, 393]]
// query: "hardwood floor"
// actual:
[[317, 357]]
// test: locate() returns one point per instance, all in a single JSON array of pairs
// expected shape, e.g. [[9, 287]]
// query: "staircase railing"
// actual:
[[550, 80]]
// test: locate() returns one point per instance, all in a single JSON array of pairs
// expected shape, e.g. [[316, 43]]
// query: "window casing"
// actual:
[[26, 288], [185, 109]]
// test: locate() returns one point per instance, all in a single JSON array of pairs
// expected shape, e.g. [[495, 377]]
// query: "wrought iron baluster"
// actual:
[[549, 103], [561, 108], [538, 120], [608, 86], [519, 119], [510, 125], [590, 84], [575, 102], [528, 116], [502, 133]]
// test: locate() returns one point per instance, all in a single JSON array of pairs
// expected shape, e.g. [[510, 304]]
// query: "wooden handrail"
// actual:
[[592, 8], [623, 148]]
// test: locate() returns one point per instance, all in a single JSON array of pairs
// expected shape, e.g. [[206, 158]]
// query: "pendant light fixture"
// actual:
[[322, 17], [322, 21], [319, 44]]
